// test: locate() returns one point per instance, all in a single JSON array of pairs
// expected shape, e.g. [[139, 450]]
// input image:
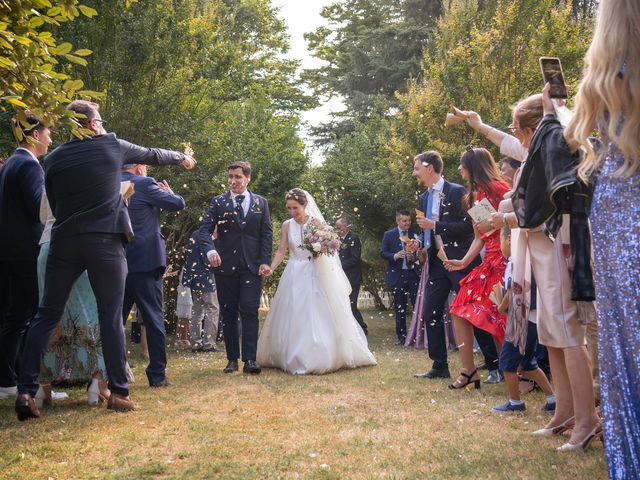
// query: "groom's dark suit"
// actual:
[[243, 245]]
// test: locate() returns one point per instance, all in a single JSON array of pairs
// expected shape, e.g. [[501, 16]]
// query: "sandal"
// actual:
[[458, 383]]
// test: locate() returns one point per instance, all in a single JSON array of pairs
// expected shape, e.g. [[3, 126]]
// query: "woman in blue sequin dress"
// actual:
[[608, 99]]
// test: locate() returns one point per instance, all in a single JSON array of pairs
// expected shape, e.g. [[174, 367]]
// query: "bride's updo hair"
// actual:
[[298, 195]]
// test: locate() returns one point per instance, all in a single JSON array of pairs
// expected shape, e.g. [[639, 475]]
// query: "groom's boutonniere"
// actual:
[[256, 205]]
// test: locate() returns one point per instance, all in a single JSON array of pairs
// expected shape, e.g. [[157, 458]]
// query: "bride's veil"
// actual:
[[312, 208], [331, 275]]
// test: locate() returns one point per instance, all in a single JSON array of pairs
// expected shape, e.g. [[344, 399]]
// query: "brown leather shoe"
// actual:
[[120, 403], [26, 407]]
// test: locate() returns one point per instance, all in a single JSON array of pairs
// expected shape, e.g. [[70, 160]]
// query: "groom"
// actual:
[[240, 256]]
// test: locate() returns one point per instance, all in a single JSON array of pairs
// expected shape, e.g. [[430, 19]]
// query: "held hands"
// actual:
[[425, 223], [265, 270], [454, 265]]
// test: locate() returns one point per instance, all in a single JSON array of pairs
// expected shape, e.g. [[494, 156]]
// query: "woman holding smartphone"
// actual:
[[559, 325]]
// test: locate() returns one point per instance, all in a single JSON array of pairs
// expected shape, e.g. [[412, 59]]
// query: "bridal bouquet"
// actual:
[[320, 239]]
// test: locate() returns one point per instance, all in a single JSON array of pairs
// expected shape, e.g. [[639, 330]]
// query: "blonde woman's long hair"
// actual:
[[608, 97]]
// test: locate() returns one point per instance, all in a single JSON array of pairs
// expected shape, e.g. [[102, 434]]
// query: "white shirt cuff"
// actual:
[[211, 252]]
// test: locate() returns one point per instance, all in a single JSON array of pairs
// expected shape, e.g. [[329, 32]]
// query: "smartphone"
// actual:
[[552, 74]]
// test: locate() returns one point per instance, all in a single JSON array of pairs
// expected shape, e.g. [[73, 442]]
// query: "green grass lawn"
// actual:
[[376, 422]]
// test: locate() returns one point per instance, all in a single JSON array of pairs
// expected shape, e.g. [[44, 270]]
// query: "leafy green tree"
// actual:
[[371, 48], [33, 62]]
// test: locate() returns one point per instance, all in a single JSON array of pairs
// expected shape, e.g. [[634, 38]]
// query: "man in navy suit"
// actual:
[[240, 256], [82, 179], [21, 187], [445, 217], [350, 260], [403, 271], [146, 263]]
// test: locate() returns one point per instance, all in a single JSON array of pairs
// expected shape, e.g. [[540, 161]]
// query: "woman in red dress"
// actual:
[[472, 305]]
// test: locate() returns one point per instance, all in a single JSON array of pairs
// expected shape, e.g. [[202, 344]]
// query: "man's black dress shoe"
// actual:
[[26, 407], [163, 383], [434, 373], [250, 366], [231, 367]]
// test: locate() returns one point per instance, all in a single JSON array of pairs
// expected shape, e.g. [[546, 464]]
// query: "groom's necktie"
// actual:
[[428, 214], [239, 210]]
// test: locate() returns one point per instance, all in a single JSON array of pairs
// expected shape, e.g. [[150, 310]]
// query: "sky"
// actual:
[[303, 16]]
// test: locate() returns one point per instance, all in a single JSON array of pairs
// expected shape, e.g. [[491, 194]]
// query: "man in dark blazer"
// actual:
[[21, 187], [82, 179], [146, 263], [403, 270], [445, 217], [241, 255], [350, 253]]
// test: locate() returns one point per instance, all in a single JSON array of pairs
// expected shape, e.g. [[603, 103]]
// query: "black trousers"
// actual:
[[102, 256], [19, 305], [239, 294], [440, 283], [145, 290], [353, 298], [407, 285]]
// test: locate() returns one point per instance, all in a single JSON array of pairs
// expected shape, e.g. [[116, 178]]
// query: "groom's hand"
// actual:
[[265, 270], [214, 259]]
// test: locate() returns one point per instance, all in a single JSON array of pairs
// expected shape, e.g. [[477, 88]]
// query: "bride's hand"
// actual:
[[265, 270]]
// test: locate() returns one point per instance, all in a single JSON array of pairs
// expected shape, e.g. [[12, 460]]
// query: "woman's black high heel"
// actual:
[[476, 383]]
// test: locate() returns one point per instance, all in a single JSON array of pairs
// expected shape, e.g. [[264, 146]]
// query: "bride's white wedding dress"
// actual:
[[310, 327]]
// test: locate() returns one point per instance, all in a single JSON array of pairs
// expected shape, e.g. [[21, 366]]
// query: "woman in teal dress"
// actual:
[[75, 351]]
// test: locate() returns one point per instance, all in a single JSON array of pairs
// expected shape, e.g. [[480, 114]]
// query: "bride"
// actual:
[[310, 327]]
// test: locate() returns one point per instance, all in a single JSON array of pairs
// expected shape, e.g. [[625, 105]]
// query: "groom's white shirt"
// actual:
[[246, 203]]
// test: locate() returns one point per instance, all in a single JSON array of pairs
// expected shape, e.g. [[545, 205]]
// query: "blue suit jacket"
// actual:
[[21, 187], [146, 252], [454, 226], [391, 244], [250, 238]]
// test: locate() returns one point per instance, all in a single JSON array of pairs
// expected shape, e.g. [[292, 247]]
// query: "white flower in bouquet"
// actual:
[[320, 239]]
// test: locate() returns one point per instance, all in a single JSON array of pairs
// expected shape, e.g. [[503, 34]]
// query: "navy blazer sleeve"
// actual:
[[386, 248], [266, 235], [31, 179], [161, 199], [209, 223], [132, 153], [460, 226]]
